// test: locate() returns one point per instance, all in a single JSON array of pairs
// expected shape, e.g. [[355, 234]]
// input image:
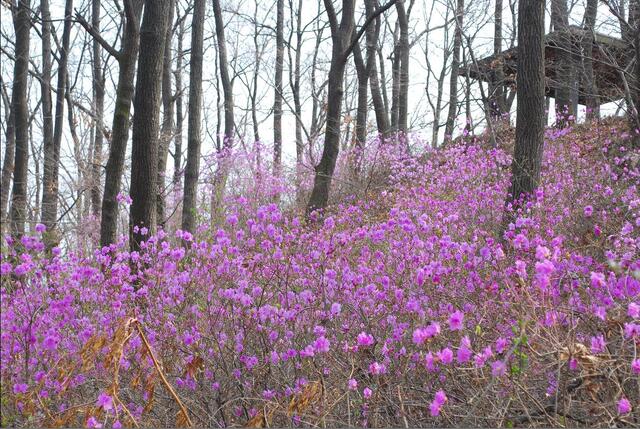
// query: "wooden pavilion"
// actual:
[[610, 57]]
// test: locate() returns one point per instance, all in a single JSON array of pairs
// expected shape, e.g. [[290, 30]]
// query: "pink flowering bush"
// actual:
[[402, 308]]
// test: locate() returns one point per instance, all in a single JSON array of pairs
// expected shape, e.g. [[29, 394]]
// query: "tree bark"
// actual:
[[45, 82], [593, 101], [98, 100], [530, 120], [120, 125], [146, 122], [166, 133], [8, 160], [363, 100], [50, 196], [565, 70], [220, 179], [403, 71], [498, 102], [277, 96], [341, 36], [177, 157], [372, 35], [455, 67], [194, 141], [20, 106]]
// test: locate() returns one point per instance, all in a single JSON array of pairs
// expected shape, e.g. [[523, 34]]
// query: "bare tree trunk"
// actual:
[[277, 103], [177, 157], [220, 180], [363, 100], [634, 24], [565, 70], [593, 101], [341, 35], [146, 122], [52, 152], [455, 67], [530, 120], [497, 89], [403, 71], [120, 125], [253, 93], [194, 139], [45, 82], [166, 133], [9, 158], [372, 35], [20, 106], [98, 100]]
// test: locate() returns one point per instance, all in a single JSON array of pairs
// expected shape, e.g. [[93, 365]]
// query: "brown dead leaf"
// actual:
[[311, 394]]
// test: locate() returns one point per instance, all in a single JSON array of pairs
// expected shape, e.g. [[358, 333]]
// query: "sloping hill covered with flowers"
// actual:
[[406, 308]]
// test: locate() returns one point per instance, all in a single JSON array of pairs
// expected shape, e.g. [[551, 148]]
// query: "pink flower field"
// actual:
[[404, 307]]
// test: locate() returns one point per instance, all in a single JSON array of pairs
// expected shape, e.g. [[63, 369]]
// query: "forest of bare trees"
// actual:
[[97, 95]]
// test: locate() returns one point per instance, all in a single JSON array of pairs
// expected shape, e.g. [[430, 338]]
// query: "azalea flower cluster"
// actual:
[[404, 308]]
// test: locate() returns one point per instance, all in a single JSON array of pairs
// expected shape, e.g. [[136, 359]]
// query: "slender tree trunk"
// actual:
[[177, 157], [593, 101], [45, 83], [277, 103], [363, 100], [146, 122], [565, 70], [372, 35], [52, 153], [194, 139], [455, 67], [20, 106], [166, 133], [498, 102], [383, 84], [220, 180], [403, 71], [8, 161], [120, 125], [98, 100], [530, 120], [634, 114], [395, 81]]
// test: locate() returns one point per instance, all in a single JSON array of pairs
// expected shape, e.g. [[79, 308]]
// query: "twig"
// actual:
[[162, 376]]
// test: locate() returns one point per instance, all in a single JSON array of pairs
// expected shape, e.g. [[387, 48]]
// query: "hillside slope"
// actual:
[[404, 309]]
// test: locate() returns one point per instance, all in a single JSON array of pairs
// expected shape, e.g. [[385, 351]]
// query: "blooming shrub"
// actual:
[[403, 308]]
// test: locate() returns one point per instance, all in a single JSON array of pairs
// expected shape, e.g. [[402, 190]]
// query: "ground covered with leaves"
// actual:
[[406, 307]]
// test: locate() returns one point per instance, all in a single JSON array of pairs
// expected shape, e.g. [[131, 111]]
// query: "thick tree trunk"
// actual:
[[194, 139], [98, 100], [455, 67], [341, 35], [277, 96], [166, 133], [120, 124], [530, 120], [20, 107], [52, 152], [146, 122]]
